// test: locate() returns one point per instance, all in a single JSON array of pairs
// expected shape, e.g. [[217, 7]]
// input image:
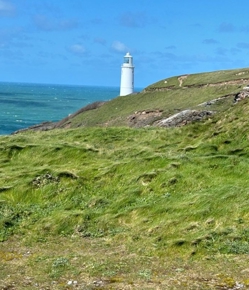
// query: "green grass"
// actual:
[[125, 208], [168, 97], [203, 79], [116, 111]]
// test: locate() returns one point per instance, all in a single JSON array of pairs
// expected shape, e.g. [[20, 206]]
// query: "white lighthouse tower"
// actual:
[[127, 76]]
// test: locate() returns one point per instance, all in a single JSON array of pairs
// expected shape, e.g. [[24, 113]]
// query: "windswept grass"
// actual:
[[122, 208], [127, 206]]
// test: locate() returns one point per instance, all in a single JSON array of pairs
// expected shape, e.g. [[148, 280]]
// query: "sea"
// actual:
[[23, 105]]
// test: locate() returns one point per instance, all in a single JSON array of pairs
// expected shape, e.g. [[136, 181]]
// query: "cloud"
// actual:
[[100, 40], [243, 45], [221, 51], [165, 55], [162, 59], [210, 41], [245, 29], [197, 25], [118, 46], [48, 55], [77, 49], [97, 21], [226, 27], [170, 47], [6, 8], [11, 54], [42, 22], [8, 35], [234, 51], [67, 24], [131, 19]]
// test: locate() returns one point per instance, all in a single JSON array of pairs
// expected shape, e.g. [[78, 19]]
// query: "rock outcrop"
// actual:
[[144, 118], [183, 118], [153, 117], [241, 95]]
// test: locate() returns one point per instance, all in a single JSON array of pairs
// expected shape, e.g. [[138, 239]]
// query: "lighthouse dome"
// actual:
[[128, 59]]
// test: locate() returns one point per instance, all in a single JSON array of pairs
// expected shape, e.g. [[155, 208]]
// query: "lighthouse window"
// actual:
[[126, 60]]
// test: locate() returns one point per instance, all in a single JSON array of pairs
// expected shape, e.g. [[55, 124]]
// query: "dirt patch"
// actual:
[[181, 79], [234, 82], [76, 263], [144, 118]]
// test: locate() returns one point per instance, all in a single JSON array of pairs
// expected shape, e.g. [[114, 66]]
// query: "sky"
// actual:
[[82, 42]]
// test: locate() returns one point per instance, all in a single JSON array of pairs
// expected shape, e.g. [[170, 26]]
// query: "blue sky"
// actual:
[[83, 42]]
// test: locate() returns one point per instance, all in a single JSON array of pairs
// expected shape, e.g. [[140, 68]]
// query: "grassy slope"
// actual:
[[204, 78], [170, 100], [115, 112], [133, 208]]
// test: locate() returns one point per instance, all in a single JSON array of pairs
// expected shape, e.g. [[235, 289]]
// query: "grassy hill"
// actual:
[[170, 96], [113, 207]]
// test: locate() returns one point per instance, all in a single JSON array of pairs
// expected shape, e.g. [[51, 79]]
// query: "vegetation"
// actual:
[[125, 208], [170, 96], [216, 77]]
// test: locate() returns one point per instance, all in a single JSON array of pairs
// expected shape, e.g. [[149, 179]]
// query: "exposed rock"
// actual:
[[212, 102], [144, 118], [44, 179], [241, 95], [183, 118], [154, 116], [45, 126]]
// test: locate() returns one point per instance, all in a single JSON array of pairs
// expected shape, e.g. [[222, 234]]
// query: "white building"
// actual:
[[127, 76]]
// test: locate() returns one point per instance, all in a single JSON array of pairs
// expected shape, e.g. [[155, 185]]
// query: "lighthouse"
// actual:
[[127, 76]]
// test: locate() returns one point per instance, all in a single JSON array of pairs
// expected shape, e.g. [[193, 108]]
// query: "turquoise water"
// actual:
[[23, 105]]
